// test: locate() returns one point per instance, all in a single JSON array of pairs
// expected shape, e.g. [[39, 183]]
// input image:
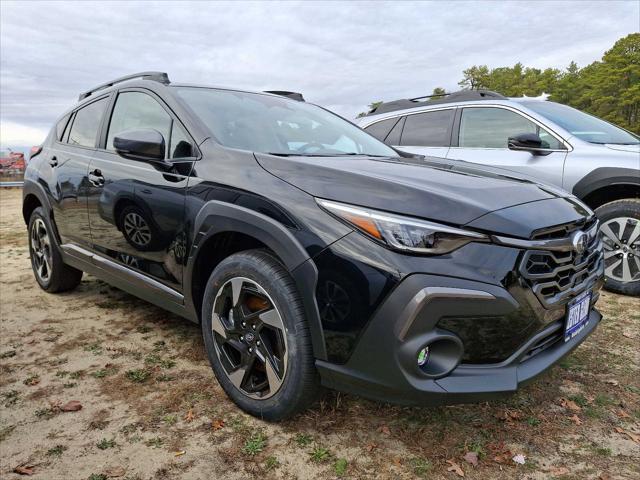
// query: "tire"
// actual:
[[51, 273], [292, 382], [621, 245]]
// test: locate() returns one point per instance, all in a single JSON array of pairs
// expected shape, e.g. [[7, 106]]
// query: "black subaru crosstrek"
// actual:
[[311, 253]]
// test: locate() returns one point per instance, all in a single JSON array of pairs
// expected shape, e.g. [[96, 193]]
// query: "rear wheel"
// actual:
[[46, 261], [257, 338], [620, 227]]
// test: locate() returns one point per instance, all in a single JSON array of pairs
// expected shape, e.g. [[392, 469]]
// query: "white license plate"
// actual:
[[577, 315]]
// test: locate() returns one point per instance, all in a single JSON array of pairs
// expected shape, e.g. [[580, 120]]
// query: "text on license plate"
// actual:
[[577, 315]]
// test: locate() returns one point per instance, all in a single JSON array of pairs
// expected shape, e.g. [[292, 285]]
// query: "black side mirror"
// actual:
[[529, 142], [144, 144]]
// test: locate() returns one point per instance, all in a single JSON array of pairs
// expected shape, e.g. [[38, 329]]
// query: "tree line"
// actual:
[[608, 88]]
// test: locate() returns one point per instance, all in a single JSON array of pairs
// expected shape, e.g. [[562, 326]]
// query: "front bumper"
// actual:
[[383, 366]]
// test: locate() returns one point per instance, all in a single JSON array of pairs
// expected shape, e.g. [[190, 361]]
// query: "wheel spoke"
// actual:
[[236, 289], [609, 270], [626, 271], [607, 232], [271, 318], [609, 254], [238, 376], [635, 233], [218, 326]]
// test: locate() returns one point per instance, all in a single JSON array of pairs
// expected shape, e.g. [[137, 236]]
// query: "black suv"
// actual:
[[311, 253]]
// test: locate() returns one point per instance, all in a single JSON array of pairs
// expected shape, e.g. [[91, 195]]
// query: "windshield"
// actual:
[[268, 124], [582, 125]]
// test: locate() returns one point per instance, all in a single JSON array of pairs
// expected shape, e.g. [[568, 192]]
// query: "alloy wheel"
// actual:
[[137, 229], [40, 250], [250, 338], [621, 239]]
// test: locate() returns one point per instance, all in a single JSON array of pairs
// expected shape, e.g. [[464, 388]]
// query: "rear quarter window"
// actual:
[[429, 129], [86, 124], [381, 129]]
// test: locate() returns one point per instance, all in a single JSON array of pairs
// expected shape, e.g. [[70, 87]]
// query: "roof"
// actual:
[[428, 100]]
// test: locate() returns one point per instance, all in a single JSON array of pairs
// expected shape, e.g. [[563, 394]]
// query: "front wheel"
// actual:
[[257, 338], [620, 227]]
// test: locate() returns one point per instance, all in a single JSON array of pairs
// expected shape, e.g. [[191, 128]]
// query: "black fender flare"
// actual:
[[605, 177], [33, 188], [219, 217]]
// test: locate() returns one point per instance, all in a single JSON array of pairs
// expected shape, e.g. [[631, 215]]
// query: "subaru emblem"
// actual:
[[579, 241]]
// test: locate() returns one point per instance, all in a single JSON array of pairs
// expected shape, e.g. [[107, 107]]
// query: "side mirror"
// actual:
[[528, 142], [143, 144]]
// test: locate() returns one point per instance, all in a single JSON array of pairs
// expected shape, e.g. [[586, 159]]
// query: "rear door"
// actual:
[[136, 208], [65, 170], [481, 136]]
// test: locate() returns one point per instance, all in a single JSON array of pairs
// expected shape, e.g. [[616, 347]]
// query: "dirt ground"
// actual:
[[152, 409]]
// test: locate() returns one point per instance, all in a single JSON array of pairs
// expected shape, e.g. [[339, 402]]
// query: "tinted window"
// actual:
[[180, 146], [492, 127], [86, 124], [582, 125], [394, 135], [135, 111], [271, 124], [430, 129], [60, 126], [380, 130]]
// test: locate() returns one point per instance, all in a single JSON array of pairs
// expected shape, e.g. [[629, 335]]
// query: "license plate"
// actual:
[[577, 315]]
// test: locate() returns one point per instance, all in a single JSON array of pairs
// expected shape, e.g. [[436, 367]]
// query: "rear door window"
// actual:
[[429, 129], [381, 129], [86, 124], [61, 125]]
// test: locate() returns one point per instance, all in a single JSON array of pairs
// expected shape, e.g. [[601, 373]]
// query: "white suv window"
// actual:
[[490, 127]]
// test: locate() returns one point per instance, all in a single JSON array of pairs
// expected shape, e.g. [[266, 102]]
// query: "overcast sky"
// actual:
[[339, 55]]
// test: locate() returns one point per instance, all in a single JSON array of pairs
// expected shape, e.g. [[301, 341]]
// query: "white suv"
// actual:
[[597, 161]]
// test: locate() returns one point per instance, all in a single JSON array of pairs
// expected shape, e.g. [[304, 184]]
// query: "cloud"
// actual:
[[16, 134], [340, 55]]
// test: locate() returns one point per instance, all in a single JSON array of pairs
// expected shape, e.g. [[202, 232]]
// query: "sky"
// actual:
[[341, 55]]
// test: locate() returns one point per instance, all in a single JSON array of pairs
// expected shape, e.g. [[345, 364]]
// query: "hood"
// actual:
[[624, 148], [406, 186]]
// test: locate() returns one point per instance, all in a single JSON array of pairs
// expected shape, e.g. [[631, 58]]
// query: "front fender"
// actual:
[[605, 177], [219, 217]]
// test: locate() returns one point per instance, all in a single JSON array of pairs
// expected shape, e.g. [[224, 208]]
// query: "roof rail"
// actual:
[[160, 77], [284, 93], [461, 96]]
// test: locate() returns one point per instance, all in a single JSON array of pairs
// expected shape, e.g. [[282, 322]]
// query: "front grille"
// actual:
[[556, 276]]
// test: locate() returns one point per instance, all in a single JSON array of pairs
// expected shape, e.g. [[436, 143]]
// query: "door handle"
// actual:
[[95, 178], [53, 161]]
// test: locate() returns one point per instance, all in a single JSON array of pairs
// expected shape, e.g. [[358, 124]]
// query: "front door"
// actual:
[[483, 137], [136, 208]]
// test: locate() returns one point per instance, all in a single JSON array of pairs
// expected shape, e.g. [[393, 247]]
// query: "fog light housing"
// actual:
[[423, 356]]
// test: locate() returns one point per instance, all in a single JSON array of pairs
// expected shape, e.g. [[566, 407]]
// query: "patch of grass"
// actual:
[[320, 454], [61, 373], [95, 348], [56, 451], [155, 442], [271, 463], [302, 439], [10, 397], [152, 359], [138, 375], [31, 380], [98, 424], [170, 419], [70, 385], [593, 412], [97, 476], [8, 354], [143, 328], [45, 413], [77, 375], [602, 451], [603, 400], [533, 421], [255, 443], [579, 399], [104, 372], [167, 363], [421, 466], [105, 444], [159, 346], [164, 378], [340, 467]]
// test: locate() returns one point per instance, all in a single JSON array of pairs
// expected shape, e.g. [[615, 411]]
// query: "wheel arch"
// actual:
[[608, 184], [221, 229]]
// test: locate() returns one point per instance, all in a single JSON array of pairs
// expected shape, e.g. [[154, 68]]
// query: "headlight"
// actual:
[[405, 234]]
